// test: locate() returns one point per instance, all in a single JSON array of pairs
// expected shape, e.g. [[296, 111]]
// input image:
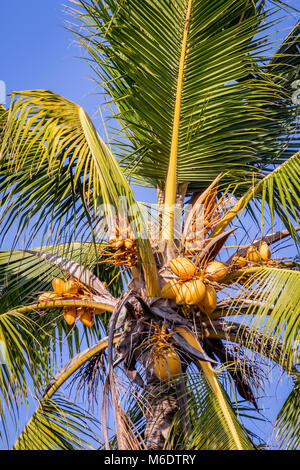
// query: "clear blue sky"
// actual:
[[37, 52]]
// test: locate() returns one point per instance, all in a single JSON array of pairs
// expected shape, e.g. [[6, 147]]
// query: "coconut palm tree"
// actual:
[[182, 314]]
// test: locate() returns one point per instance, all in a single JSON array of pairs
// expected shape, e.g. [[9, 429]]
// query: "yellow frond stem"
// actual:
[[170, 192], [64, 303], [212, 380]]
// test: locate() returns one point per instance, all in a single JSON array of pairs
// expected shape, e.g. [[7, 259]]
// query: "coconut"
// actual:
[[264, 251], [71, 287], [183, 267], [239, 261], [191, 292], [170, 289], [86, 316], [167, 364], [128, 243], [216, 271], [120, 243], [58, 285], [253, 255], [209, 301], [69, 315]]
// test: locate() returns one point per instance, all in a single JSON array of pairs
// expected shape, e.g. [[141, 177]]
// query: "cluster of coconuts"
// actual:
[[190, 287], [70, 290], [125, 248], [254, 255]]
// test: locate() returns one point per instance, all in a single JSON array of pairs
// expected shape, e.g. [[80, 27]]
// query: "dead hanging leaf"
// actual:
[[134, 376], [181, 341], [214, 246]]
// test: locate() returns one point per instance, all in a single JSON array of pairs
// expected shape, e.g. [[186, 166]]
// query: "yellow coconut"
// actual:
[[48, 297], [216, 271], [209, 301], [183, 267], [239, 261], [119, 243], [98, 311], [170, 289], [264, 251], [58, 285], [69, 315], [86, 316], [253, 255], [128, 243], [191, 292], [167, 364], [71, 287]]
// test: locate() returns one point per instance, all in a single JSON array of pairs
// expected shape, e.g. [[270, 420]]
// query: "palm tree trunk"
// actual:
[[161, 408]]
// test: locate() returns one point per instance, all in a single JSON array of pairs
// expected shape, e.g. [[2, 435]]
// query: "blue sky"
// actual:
[[37, 52]]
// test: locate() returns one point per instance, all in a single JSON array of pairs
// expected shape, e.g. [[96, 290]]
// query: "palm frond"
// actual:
[[223, 405], [45, 130], [23, 274], [210, 430], [278, 189], [59, 425], [277, 314], [32, 341], [22, 356], [149, 57], [285, 62], [35, 197], [288, 420], [53, 425]]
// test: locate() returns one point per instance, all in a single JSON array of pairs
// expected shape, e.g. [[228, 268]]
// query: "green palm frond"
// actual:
[[23, 275], [285, 62], [33, 342], [288, 419], [22, 356], [276, 295], [59, 425], [209, 429], [136, 50], [278, 190], [205, 367], [49, 203], [45, 130]]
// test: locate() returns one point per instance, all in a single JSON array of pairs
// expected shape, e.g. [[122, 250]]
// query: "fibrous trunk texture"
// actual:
[[160, 411]]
